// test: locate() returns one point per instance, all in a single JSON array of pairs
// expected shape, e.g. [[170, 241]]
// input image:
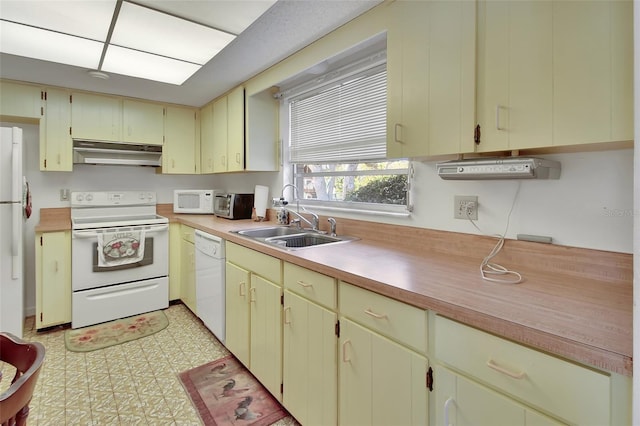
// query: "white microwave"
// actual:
[[193, 201]]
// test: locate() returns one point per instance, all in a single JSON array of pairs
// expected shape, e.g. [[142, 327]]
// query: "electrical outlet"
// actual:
[[465, 207], [64, 195]]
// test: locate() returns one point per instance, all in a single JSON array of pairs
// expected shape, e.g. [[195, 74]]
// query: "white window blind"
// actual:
[[343, 122]]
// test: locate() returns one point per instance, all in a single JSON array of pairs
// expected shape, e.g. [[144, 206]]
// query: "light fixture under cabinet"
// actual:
[[499, 168]]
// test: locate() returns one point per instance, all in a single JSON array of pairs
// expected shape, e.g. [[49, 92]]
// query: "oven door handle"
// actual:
[[94, 234]]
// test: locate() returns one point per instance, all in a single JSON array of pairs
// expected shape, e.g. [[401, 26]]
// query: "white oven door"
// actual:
[[86, 272]]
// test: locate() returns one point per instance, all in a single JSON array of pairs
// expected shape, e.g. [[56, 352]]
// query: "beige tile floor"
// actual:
[[134, 383]]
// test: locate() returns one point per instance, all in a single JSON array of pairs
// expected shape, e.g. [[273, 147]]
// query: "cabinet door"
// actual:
[[592, 67], [179, 149], [220, 135], [143, 122], [56, 146], [206, 139], [20, 100], [237, 312], [96, 117], [310, 371], [235, 130], [53, 278], [461, 402], [381, 382], [188, 274], [431, 78], [515, 74], [175, 260], [266, 333]]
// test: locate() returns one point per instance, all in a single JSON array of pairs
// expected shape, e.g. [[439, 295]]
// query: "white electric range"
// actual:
[[120, 256]]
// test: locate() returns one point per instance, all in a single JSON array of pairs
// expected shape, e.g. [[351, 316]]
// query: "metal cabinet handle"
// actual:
[[238, 157], [56, 266], [252, 293], [344, 351], [373, 314], [519, 375], [242, 287], [397, 129], [498, 107], [303, 284], [287, 320], [58, 159], [447, 405]]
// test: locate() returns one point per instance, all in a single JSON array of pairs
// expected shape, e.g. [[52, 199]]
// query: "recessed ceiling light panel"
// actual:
[[145, 65], [88, 19], [155, 32], [22, 40]]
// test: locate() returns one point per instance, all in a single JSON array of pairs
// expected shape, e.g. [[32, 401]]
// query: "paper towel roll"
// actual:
[[261, 196]]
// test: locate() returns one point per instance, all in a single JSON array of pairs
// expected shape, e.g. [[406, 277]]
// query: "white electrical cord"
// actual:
[[486, 267]]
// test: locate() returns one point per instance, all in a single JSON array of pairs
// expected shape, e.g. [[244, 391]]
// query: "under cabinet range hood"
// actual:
[[499, 168], [114, 153]]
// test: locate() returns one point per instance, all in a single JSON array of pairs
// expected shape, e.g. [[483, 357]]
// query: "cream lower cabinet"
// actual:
[[53, 278], [527, 384], [254, 313], [175, 260], [188, 267], [461, 402], [382, 367], [310, 371]]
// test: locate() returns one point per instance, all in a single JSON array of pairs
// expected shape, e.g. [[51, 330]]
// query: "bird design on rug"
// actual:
[[217, 371], [229, 389], [243, 412]]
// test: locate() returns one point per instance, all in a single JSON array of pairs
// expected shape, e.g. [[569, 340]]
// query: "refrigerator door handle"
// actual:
[[16, 243]]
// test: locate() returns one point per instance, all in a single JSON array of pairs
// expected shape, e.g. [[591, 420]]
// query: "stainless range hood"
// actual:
[[114, 153]]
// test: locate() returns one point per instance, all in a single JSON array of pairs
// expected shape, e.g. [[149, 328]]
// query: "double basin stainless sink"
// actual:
[[291, 238]]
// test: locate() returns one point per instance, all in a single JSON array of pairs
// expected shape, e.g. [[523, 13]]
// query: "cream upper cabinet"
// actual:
[[143, 122], [96, 117], [262, 138], [206, 138], [220, 135], [56, 146], [554, 73], [20, 100], [235, 130], [53, 278], [431, 78], [228, 132], [180, 154]]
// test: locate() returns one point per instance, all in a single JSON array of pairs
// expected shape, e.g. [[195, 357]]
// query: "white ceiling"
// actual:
[[283, 29]]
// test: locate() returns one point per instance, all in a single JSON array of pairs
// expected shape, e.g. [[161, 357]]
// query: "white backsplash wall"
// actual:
[[590, 206]]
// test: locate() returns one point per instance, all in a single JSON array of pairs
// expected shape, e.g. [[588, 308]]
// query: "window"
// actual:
[[337, 143]]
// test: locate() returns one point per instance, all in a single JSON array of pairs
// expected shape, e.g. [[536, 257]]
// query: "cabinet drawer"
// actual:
[[575, 394], [312, 285], [394, 319], [187, 233], [261, 264]]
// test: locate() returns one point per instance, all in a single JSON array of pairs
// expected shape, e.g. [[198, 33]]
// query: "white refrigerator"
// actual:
[[12, 202]]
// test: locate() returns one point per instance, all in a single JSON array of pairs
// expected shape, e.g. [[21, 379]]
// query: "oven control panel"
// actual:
[[112, 198]]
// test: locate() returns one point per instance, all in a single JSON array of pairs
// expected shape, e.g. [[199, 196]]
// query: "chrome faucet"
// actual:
[[332, 223], [297, 195], [314, 223]]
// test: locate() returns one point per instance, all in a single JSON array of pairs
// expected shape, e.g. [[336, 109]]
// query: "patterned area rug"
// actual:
[[226, 393], [115, 332]]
